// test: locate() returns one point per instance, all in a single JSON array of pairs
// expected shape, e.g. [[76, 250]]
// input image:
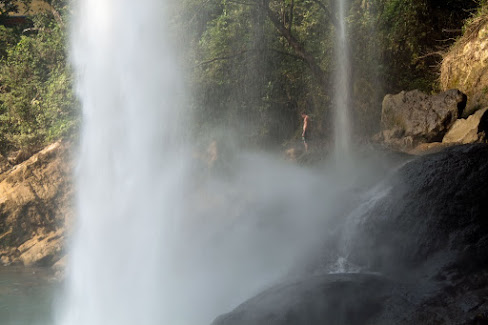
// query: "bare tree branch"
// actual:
[[287, 54], [245, 3], [57, 16], [222, 58], [446, 30], [239, 54], [437, 53], [31, 29], [292, 7]]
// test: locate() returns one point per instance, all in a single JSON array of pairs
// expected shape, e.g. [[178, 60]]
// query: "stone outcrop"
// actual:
[[35, 207], [422, 248], [411, 118], [428, 148], [334, 299], [465, 66], [469, 130]]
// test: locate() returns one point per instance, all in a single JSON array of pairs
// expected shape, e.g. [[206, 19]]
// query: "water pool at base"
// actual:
[[27, 296]]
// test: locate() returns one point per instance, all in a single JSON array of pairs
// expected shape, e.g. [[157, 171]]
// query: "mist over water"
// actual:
[[130, 164], [166, 234]]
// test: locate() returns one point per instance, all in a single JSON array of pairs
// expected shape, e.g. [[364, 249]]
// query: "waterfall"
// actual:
[[341, 98], [130, 164], [167, 232]]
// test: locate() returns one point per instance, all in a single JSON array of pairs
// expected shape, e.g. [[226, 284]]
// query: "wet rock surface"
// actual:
[[433, 226], [339, 299], [437, 203], [427, 241]]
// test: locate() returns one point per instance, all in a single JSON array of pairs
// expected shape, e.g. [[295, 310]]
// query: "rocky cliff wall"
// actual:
[[36, 207], [465, 66]]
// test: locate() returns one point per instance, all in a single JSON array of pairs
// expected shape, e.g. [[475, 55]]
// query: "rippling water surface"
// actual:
[[26, 296]]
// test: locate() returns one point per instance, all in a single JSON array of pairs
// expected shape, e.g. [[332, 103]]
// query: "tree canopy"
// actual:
[[253, 64], [259, 62], [37, 104]]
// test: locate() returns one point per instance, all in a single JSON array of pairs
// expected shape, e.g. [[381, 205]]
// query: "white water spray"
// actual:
[[162, 237], [128, 172], [342, 124]]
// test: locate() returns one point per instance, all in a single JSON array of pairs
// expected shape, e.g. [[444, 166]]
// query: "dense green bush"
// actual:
[[37, 104]]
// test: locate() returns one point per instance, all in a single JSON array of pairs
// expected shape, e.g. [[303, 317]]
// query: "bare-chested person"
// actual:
[[306, 130]]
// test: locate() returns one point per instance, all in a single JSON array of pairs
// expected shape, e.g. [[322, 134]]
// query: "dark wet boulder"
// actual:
[[436, 210], [353, 299], [424, 229], [432, 227]]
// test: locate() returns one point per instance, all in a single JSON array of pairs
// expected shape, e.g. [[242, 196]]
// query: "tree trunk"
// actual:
[[316, 70]]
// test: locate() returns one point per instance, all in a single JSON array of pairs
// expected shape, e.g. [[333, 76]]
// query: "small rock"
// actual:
[[466, 130]]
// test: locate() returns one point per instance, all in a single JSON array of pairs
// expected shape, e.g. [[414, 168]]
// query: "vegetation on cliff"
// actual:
[[254, 64], [465, 65], [258, 63], [37, 104]]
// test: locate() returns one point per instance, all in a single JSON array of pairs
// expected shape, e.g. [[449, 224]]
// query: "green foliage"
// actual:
[[398, 45], [8, 38], [248, 76], [231, 89], [414, 34], [37, 104], [247, 73], [11, 6]]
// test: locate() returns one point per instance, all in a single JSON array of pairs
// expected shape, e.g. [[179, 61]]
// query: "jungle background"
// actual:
[[251, 65]]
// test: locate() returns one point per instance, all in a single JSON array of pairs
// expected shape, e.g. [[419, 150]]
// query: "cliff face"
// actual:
[[35, 207], [418, 123], [465, 67]]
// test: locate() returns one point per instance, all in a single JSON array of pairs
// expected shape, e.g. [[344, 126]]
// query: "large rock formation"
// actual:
[[433, 228], [422, 239], [411, 118], [437, 203], [35, 204], [465, 67], [336, 299]]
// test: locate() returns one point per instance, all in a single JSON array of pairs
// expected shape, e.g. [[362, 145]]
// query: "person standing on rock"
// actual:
[[306, 130]]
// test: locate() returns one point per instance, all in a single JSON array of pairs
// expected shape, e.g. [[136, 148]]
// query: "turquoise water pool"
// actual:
[[27, 296]]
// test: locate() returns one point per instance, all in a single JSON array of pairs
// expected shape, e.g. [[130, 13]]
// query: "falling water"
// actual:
[[128, 172], [342, 125], [163, 237]]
